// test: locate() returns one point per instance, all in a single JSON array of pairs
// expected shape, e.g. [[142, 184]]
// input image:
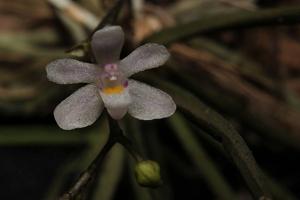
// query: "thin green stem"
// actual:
[[123, 140], [215, 124], [116, 136], [199, 157], [89, 173]]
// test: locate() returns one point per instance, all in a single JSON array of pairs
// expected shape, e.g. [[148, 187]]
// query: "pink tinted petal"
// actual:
[[80, 109], [68, 71], [148, 102], [145, 57], [107, 44]]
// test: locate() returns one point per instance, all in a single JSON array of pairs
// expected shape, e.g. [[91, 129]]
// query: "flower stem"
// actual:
[[87, 175], [115, 136], [117, 132]]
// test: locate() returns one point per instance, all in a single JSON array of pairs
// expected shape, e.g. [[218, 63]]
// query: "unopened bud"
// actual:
[[147, 174]]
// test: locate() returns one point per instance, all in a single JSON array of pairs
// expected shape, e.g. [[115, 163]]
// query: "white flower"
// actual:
[[108, 84]]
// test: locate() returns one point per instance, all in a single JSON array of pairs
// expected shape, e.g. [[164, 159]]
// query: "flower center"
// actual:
[[112, 80]]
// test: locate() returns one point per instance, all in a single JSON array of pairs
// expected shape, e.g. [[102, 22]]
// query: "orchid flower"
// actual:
[[108, 84]]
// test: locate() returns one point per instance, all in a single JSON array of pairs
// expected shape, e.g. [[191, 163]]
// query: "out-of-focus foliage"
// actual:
[[234, 74]]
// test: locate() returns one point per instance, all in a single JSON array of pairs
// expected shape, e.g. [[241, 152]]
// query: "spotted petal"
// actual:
[[148, 102], [145, 57], [107, 44], [79, 110], [68, 71]]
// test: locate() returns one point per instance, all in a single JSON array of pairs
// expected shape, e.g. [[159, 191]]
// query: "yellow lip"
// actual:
[[113, 90]]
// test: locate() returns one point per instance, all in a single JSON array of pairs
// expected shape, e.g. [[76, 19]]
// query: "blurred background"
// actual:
[[234, 74]]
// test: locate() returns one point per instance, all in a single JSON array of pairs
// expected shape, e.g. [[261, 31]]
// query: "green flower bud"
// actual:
[[147, 174]]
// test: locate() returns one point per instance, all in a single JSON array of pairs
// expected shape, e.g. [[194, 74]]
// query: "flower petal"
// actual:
[[148, 102], [68, 71], [117, 104], [107, 44], [79, 110], [145, 57]]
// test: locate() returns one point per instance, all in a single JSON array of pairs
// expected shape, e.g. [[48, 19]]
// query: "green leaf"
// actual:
[[283, 15], [200, 158], [110, 175], [38, 135], [215, 124]]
